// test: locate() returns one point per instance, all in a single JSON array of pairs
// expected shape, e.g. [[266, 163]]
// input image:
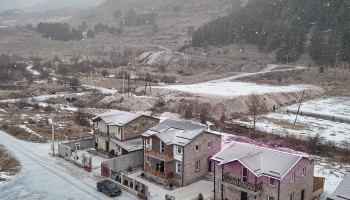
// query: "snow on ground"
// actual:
[[102, 89], [226, 88], [34, 72], [44, 176], [28, 130], [189, 192], [235, 89], [332, 172], [282, 123], [337, 106]]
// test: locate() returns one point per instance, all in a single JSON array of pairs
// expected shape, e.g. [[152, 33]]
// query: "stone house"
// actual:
[[118, 132], [245, 172], [178, 152]]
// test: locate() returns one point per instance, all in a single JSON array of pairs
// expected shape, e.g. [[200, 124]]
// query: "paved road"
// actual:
[[46, 177]]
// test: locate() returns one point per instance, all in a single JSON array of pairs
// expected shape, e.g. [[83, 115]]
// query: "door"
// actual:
[[302, 195], [244, 196], [107, 145], [209, 165]]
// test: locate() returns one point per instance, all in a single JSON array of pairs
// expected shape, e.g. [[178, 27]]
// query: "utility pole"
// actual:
[[53, 135], [302, 95], [91, 78], [123, 84]]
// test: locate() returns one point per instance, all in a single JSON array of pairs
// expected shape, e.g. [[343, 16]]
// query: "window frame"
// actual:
[[303, 171], [291, 196], [161, 146], [274, 181], [178, 167], [197, 165], [293, 177], [149, 142], [210, 144], [242, 174], [148, 159], [270, 197], [198, 147], [177, 150], [136, 128]]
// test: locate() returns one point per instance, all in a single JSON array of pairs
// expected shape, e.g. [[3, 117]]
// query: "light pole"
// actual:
[[53, 135]]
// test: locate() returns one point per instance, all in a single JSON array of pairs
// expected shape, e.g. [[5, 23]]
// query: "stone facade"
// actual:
[[129, 131], [203, 155], [200, 149], [281, 189]]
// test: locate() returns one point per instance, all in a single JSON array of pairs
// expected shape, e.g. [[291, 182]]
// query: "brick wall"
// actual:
[[191, 155], [143, 123]]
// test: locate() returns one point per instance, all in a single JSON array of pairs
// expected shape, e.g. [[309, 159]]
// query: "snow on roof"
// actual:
[[129, 145], [178, 132], [259, 160], [117, 117], [342, 192]]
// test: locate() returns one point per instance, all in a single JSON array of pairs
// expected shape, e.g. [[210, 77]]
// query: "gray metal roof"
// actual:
[[179, 132], [343, 190], [259, 160], [129, 145], [117, 117]]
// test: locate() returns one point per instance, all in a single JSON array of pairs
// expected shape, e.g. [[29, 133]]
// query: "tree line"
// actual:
[[59, 31], [318, 27]]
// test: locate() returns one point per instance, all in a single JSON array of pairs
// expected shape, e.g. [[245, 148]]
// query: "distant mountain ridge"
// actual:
[[49, 5], [57, 4]]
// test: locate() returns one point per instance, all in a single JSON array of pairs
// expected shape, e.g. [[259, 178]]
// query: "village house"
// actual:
[[178, 152], [245, 171], [343, 190], [118, 132]]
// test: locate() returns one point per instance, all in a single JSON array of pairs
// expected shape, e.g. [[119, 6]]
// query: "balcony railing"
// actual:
[[166, 156], [162, 175], [98, 132], [239, 184]]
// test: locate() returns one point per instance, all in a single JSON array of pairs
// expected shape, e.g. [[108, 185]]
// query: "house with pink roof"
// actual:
[[245, 172]]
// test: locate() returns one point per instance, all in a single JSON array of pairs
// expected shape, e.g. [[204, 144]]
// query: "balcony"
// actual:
[[165, 156], [163, 175], [250, 188], [100, 133]]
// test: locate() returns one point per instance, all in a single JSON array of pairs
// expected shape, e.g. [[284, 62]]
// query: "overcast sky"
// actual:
[[30, 2]]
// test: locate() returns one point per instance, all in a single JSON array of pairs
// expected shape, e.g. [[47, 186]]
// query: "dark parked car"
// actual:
[[109, 188]]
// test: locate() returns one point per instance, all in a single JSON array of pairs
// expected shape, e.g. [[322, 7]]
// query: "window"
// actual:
[[136, 128], [303, 171], [178, 149], [272, 181], [291, 196], [270, 198], [221, 167], [119, 129], [161, 147], [198, 147], [198, 165], [178, 167], [149, 142], [210, 144], [293, 177], [244, 174], [148, 159]]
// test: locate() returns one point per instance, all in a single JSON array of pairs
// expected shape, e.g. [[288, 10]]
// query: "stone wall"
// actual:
[[144, 123], [191, 155], [122, 163]]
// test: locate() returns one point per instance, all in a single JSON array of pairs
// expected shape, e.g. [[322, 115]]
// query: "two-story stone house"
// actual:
[[178, 152], [245, 171], [118, 132]]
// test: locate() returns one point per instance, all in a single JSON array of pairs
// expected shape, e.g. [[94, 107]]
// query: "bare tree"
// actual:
[[256, 107]]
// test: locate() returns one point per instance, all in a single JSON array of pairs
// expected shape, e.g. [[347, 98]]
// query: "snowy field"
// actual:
[[235, 89], [282, 123]]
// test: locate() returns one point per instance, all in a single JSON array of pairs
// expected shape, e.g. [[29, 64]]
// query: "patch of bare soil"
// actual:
[[32, 124], [8, 163], [286, 124]]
